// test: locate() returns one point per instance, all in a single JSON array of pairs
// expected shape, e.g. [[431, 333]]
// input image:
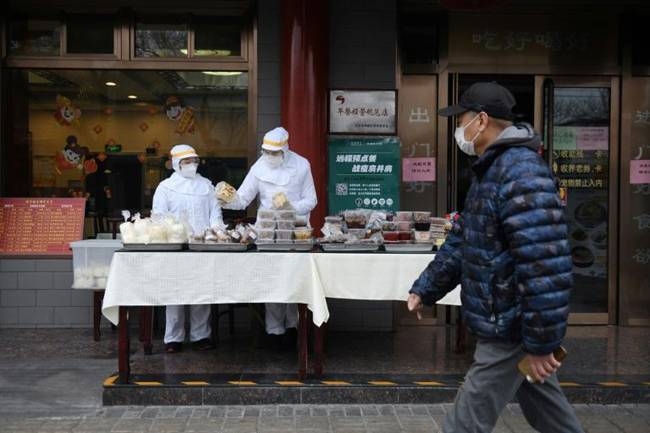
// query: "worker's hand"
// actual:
[[542, 367], [414, 303]]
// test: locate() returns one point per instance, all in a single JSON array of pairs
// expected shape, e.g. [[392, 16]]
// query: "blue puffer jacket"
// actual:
[[509, 249]]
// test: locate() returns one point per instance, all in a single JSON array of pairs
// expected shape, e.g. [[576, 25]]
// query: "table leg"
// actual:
[[302, 341], [146, 313], [98, 296], [319, 336], [123, 347]]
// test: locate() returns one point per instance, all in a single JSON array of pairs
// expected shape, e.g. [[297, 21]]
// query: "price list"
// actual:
[[40, 226]]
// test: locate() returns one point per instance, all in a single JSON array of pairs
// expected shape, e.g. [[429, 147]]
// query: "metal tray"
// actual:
[[218, 247], [349, 248], [303, 247], [154, 247], [409, 248]]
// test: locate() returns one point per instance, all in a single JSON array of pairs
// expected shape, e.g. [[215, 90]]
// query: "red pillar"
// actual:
[[305, 73]]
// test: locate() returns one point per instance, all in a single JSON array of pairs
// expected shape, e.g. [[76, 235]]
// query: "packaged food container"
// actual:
[[436, 221], [333, 219], [303, 234], [423, 226], [285, 225], [357, 233], [404, 226], [265, 235], [91, 261], [388, 226], [391, 236], [422, 217], [422, 236], [404, 216], [285, 215], [355, 219], [284, 235], [265, 214], [405, 235], [265, 224]]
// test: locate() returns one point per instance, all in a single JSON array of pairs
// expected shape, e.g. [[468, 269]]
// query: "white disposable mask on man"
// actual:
[[466, 146], [189, 170], [273, 161]]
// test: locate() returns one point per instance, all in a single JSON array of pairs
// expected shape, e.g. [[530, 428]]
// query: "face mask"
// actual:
[[465, 145], [273, 161], [189, 170]]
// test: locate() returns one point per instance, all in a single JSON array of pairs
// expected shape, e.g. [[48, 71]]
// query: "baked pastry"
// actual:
[[225, 192]]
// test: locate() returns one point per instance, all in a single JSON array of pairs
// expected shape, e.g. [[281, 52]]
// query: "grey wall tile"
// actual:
[[18, 298], [17, 265], [36, 315], [53, 298], [8, 280], [35, 280]]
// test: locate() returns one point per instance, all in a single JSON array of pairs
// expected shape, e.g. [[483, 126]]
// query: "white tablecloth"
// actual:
[[178, 278]]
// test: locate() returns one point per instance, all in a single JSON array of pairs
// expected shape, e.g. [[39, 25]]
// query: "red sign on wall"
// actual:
[[40, 226]]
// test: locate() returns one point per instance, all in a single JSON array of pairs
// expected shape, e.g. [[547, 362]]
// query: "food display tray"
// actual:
[[223, 247], [300, 247], [349, 248], [408, 248], [153, 247]]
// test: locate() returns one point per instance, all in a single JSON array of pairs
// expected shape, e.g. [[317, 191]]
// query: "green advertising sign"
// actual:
[[364, 172]]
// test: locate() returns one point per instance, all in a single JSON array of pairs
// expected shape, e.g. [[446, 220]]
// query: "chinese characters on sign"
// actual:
[[519, 41], [639, 171], [581, 168], [419, 169], [363, 173], [362, 112], [40, 226]]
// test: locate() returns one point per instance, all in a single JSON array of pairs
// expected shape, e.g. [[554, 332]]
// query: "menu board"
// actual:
[[40, 226]]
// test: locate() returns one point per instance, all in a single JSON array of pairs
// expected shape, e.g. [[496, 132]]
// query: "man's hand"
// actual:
[[414, 303], [542, 367]]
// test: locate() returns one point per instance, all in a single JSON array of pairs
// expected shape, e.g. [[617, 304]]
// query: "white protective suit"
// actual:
[[293, 178], [191, 199]]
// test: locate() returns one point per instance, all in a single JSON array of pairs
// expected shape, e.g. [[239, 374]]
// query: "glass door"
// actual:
[[578, 119]]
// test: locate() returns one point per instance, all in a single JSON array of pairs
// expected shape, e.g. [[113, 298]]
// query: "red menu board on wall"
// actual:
[[40, 226]]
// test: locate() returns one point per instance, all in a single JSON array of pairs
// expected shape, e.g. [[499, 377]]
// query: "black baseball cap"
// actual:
[[490, 97]]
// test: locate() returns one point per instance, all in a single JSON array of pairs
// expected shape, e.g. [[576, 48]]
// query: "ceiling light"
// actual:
[[132, 97], [222, 73], [111, 83]]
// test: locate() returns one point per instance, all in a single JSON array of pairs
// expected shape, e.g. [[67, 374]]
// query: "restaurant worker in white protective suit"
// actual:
[[282, 179], [187, 195]]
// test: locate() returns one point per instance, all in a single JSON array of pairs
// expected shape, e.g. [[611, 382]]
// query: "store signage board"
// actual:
[[364, 172], [419, 169], [40, 226], [363, 112]]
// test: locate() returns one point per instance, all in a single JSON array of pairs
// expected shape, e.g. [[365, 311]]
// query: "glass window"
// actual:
[[161, 37], [35, 37], [107, 134], [580, 161], [89, 34], [217, 36]]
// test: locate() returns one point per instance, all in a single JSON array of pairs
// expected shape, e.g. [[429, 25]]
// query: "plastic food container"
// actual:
[[389, 226], [436, 221], [285, 215], [284, 235], [404, 216], [357, 233], [355, 220], [391, 236], [265, 224], [422, 227], [404, 226], [422, 217], [422, 236], [266, 235], [91, 261], [333, 219], [404, 236], [286, 225], [265, 214], [303, 234]]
